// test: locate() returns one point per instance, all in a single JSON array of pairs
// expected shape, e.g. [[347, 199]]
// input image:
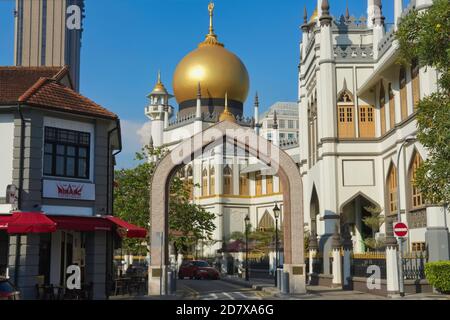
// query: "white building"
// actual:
[[357, 106], [286, 116]]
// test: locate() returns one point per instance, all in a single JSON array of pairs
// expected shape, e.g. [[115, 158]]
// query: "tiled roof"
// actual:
[[40, 87], [15, 81], [50, 94]]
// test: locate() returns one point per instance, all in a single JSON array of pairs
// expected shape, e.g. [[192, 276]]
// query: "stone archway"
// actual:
[[258, 147]]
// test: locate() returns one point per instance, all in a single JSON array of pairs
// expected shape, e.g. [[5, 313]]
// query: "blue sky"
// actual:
[[125, 42]]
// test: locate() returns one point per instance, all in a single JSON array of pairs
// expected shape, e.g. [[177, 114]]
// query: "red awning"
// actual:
[[4, 221], [128, 230], [30, 222], [84, 224]]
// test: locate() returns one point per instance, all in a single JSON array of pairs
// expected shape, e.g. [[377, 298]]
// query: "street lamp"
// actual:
[[247, 221], [408, 140], [276, 213]]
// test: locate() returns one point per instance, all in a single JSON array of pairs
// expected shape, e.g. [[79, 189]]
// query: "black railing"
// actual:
[[414, 265], [360, 267], [318, 265]]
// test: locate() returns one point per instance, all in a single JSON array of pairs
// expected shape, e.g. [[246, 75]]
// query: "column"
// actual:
[[96, 263], [437, 235], [347, 245], [313, 248], [391, 260], [337, 261]]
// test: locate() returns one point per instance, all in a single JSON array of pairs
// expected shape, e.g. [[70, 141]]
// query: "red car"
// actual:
[[198, 269]]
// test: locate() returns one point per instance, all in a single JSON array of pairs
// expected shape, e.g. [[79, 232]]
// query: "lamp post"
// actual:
[[247, 220], [276, 213], [401, 286]]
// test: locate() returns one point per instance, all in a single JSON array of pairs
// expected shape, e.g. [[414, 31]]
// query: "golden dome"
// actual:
[[215, 68]]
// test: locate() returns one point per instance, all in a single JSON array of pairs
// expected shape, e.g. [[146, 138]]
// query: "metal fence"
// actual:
[[414, 265], [361, 263]]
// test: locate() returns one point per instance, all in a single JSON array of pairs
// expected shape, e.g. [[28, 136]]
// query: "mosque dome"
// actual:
[[218, 71]]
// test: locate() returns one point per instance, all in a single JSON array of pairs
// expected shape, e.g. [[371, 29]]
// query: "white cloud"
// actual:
[[134, 136]]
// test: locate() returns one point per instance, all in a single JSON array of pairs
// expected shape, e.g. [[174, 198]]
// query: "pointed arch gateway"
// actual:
[[258, 147]]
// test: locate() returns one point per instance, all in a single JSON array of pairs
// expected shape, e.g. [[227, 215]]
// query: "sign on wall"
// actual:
[[68, 190]]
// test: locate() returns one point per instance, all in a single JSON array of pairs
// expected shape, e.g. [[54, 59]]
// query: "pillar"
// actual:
[[391, 260], [398, 9], [337, 259], [347, 245], [96, 263], [437, 234], [313, 248]]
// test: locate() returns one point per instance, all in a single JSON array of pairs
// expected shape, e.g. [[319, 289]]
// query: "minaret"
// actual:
[[276, 132], [198, 124], [159, 111], [370, 13], [398, 9], [378, 27], [319, 11], [256, 115], [305, 31]]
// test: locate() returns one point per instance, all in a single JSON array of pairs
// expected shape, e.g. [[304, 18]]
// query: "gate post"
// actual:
[[337, 259], [348, 250], [391, 260], [313, 247]]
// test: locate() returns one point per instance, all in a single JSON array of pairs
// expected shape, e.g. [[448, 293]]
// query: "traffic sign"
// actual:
[[400, 229]]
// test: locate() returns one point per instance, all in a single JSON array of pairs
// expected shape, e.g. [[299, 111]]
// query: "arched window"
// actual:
[[227, 180], [267, 222], [391, 108], [403, 94], [243, 184], [417, 200], [392, 190], [382, 109], [190, 181], [346, 114], [258, 180], [415, 81], [212, 180], [204, 182], [269, 184]]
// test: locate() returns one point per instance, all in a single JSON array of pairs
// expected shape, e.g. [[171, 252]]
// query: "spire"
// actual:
[[275, 120], [159, 77], [345, 85], [305, 16], [256, 100], [226, 115], [211, 37], [199, 91], [151, 145], [325, 18], [347, 13]]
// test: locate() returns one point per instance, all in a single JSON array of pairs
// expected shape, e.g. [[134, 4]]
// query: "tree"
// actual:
[[188, 223], [425, 36], [374, 222]]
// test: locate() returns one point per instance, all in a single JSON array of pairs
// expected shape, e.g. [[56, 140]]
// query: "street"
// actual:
[[218, 290]]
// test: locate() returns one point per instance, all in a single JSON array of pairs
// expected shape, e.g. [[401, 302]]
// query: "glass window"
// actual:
[[66, 153]]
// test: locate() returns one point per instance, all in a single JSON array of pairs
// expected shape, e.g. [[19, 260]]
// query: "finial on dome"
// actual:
[[159, 76], [211, 37], [226, 115]]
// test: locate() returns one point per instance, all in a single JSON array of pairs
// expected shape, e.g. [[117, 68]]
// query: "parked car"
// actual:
[[198, 269], [8, 291]]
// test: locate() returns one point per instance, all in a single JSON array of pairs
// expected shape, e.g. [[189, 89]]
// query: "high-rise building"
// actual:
[[48, 33]]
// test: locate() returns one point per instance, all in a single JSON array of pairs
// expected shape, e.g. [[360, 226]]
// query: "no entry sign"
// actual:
[[400, 229]]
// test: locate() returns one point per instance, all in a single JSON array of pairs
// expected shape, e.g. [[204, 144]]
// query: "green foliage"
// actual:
[[438, 275], [132, 203], [264, 239], [374, 222], [426, 37], [237, 235]]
